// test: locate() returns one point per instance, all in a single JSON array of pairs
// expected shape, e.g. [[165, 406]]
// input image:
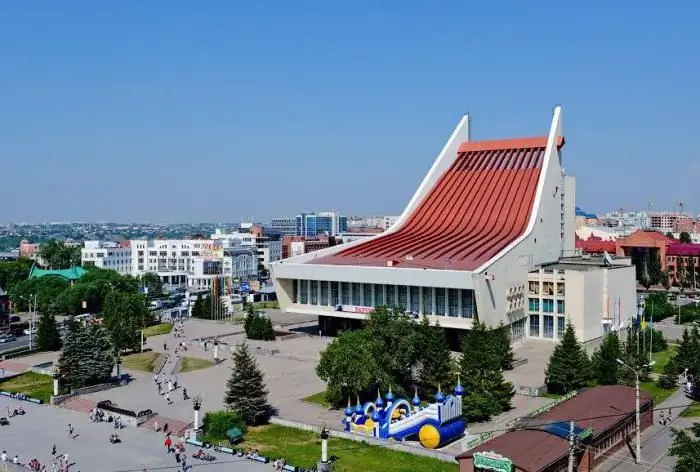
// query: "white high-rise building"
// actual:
[[107, 255]]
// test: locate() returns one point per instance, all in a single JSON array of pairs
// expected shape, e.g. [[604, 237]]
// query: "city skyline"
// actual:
[[157, 125]]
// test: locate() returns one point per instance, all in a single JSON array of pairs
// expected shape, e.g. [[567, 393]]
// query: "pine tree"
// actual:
[[488, 394], [246, 393], [501, 339], [569, 367], [69, 362], [604, 362], [197, 307], [267, 331], [635, 357], [48, 338], [436, 368]]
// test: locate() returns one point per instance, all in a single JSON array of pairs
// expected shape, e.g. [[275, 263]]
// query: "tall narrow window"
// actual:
[[403, 297], [440, 301], [304, 288], [428, 300], [356, 294], [335, 293], [324, 293], [379, 295], [345, 293], [453, 302], [415, 299], [390, 295], [468, 306], [313, 285], [367, 295]]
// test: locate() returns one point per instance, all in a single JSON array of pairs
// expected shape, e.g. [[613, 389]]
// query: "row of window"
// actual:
[[547, 305], [428, 300], [547, 288], [544, 328]]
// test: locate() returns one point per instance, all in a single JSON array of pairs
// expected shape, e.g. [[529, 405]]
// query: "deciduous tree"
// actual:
[[686, 448], [125, 314], [48, 337], [246, 393], [569, 367]]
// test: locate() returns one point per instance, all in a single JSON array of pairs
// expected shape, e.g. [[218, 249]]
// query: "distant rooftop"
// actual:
[[72, 274], [587, 262]]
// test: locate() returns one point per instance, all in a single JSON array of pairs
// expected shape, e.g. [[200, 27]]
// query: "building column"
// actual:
[[308, 292]]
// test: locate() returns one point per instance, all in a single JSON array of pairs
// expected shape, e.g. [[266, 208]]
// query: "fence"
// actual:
[[58, 399]]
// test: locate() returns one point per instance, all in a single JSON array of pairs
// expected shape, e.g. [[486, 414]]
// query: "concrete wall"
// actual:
[[569, 215], [540, 243]]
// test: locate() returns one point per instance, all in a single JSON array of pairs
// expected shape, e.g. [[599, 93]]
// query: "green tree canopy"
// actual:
[[125, 314], [436, 368], [46, 289], [500, 336], [14, 272], [487, 392], [246, 393], [48, 338], [153, 284], [604, 362], [57, 255], [686, 448], [684, 237], [87, 356], [569, 367]]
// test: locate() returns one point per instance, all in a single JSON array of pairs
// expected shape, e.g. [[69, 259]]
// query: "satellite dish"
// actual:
[[607, 258]]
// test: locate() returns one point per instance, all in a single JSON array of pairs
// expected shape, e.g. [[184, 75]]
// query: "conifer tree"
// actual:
[[501, 338], [48, 338], [605, 367], [436, 368], [69, 362], [246, 393], [197, 307], [635, 357], [569, 367], [488, 394]]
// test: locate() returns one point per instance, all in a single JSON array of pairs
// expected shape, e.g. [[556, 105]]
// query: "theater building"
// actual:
[[486, 215], [604, 421]]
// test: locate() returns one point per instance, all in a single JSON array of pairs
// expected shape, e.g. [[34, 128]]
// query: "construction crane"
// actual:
[[679, 205]]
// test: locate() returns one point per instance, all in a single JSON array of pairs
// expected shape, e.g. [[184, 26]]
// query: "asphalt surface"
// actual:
[[21, 341]]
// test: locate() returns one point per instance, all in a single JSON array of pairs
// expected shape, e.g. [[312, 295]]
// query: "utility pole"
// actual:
[[572, 457], [637, 413]]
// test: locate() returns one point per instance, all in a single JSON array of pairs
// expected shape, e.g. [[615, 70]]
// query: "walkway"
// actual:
[[656, 440]]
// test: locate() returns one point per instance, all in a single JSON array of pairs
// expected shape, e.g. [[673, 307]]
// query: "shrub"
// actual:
[[216, 423]]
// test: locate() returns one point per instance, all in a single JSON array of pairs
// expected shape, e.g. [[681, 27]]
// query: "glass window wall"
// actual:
[[379, 295], [440, 301], [427, 301], [335, 293], [304, 289], [295, 286], [324, 293], [313, 286], [390, 295], [534, 304], [344, 293], [403, 297], [534, 326], [453, 302], [415, 299], [548, 325], [367, 295], [561, 326], [548, 305], [560, 306], [356, 294], [468, 305]]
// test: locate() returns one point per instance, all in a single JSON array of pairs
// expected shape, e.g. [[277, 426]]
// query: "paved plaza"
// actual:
[[34, 434]]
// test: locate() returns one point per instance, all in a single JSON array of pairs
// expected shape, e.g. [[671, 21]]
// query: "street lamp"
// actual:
[[638, 455], [196, 406], [32, 315]]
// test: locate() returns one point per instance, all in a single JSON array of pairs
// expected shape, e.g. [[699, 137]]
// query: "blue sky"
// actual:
[[208, 111]]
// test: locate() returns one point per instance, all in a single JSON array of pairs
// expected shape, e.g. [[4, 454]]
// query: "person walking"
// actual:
[[71, 431]]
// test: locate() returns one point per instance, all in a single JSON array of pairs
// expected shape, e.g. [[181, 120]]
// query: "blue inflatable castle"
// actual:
[[434, 425]]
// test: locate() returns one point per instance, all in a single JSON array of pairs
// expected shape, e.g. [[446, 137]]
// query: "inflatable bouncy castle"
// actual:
[[434, 425]]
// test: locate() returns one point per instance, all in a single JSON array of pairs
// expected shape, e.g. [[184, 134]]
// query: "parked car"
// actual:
[[28, 331], [7, 338]]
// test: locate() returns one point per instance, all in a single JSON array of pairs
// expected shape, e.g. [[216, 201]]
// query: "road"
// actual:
[[21, 341]]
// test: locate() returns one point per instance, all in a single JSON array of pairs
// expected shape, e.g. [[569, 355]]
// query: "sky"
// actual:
[[184, 111]]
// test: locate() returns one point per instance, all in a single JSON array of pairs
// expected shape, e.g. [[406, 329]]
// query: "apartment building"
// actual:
[[108, 255], [267, 244]]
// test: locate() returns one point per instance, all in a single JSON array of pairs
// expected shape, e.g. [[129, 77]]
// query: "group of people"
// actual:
[[59, 464], [18, 410], [97, 415], [177, 449]]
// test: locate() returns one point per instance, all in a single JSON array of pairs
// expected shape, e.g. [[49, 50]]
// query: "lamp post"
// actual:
[[196, 406], [638, 426], [32, 314], [56, 376], [324, 465], [216, 351]]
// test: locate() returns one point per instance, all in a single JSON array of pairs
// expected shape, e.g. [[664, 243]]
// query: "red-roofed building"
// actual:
[[486, 214], [604, 415]]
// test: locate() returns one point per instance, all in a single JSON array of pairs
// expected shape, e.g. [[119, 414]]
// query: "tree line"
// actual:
[[391, 351], [570, 368]]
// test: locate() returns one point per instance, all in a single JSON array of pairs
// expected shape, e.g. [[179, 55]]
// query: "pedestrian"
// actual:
[[155, 426], [167, 398], [168, 443], [71, 431], [165, 428]]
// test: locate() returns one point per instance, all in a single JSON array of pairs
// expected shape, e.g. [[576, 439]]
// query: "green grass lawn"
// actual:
[[662, 358], [263, 305], [157, 330], [302, 449], [317, 399], [192, 363], [658, 394], [142, 361], [30, 383], [551, 396], [693, 411]]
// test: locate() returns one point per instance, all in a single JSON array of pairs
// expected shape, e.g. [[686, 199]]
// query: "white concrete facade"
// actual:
[[107, 255], [594, 296], [269, 250], [496, 290]]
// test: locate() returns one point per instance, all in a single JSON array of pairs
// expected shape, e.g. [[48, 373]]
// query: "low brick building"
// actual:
[[604, 419]]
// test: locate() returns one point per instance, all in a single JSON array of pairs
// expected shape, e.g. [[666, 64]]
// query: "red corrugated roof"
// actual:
[[477, 207], [683, 249]]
